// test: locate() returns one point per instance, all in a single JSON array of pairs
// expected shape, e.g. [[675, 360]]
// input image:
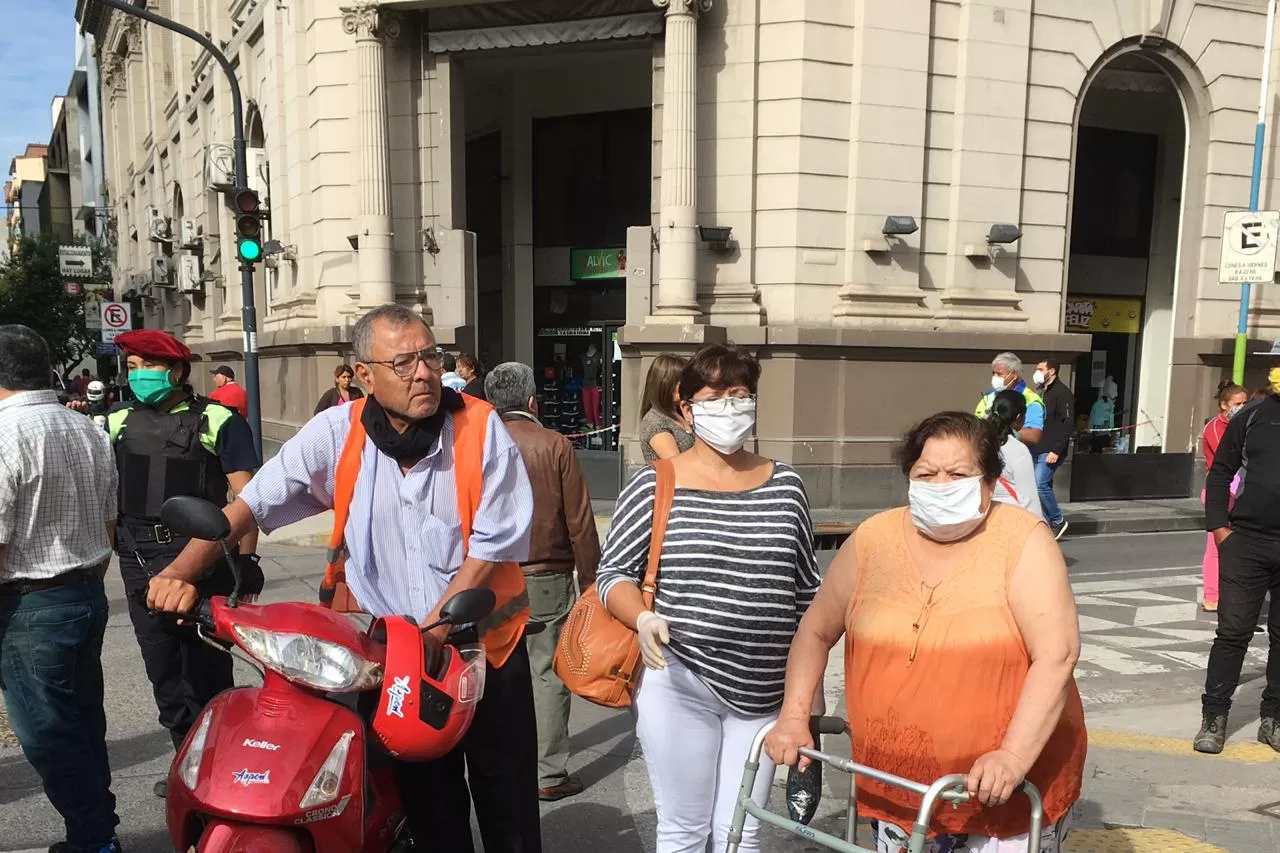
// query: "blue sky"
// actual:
[[37, 56]]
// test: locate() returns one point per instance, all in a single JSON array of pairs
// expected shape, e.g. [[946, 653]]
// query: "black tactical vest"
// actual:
[[159, 456]]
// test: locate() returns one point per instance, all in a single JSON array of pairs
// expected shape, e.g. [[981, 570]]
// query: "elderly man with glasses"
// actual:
[[439, 502]]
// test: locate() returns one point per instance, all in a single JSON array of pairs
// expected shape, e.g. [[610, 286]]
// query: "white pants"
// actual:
[[695, 747]]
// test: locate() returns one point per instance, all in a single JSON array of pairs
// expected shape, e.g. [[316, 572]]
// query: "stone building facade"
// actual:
[[541, 174]]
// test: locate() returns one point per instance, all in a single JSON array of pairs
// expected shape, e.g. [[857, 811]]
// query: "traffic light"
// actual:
[[248, 226]]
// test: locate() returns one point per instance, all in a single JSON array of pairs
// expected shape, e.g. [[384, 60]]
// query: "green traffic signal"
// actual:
[[249, 250]]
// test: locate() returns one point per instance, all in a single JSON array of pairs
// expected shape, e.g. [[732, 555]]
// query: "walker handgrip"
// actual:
[[827, 725]]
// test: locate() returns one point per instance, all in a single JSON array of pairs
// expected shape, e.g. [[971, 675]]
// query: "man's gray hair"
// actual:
[[362, 335], [509, 386], [1009, 362]]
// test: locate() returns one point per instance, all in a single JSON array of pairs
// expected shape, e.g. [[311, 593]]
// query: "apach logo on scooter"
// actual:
[[397, 693], [249, 777]]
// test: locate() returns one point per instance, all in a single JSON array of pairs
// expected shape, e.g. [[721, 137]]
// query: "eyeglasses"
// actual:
[[406, 363], [720, 405]]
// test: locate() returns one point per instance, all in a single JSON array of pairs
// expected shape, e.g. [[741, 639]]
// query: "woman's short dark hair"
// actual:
[[342, 369], [979, 433], [24, 360], [719, 366], [469, 361]]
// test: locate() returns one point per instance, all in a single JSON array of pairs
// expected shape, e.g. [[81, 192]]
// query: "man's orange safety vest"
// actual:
[[502, 629]]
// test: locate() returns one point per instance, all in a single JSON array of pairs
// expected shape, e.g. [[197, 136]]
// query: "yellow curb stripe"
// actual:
[[1136, 841], [1244, 752]]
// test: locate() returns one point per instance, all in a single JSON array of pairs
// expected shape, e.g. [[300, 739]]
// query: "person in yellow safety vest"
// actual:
[[430, 497], [1006, 373]]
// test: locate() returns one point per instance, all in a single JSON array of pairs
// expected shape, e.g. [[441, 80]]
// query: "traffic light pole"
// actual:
[[249, 314]]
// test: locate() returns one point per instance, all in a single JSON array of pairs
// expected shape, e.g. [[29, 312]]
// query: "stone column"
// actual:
[[372, 26], [677, 299]]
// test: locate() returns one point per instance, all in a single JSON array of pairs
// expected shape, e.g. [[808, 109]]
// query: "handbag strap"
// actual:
[[664, 493]]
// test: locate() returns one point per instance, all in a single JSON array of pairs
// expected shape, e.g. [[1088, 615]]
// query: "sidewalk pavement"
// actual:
[[833, 525]]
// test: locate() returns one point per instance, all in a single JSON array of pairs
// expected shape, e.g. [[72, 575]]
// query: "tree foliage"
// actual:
[[32, 293]]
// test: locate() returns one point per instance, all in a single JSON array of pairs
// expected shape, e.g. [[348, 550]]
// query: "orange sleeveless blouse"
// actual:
[[926, 703]]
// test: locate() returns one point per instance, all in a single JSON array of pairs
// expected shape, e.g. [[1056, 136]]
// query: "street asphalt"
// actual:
[[1145, 642]]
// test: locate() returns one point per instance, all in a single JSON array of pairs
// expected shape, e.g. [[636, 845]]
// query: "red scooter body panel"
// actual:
[[220, 837], [294, 617]]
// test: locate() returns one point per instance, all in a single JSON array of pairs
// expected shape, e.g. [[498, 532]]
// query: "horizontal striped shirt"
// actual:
[[403, 536], [736, 574], [57, 488]]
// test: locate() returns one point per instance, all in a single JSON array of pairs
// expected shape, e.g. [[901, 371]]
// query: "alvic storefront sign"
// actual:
[[590, 264]]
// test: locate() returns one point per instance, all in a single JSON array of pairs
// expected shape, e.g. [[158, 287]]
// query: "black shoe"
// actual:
[[1060, 530], [64, 847], [1269, 732], [161, 788], [1213, 734]]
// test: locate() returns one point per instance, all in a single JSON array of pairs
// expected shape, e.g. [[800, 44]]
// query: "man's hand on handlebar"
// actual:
[[784, 741], [171, 595]]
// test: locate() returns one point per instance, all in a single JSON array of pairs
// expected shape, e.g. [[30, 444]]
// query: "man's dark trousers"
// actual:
[[500, 756], [51, 677], [1250, 568], [185, 672]]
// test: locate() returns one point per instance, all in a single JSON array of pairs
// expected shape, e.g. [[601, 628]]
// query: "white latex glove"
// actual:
[[654, 634]]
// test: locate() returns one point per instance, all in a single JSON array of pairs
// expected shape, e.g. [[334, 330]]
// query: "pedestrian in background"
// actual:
[[737, 572], [342, 390], [228, 392], [1006, 373], [57, 519], [1231, 399], [450, 378], [1017, 481], [469, 370], [563, 537], [1051, 450], [1248, 539], [664, 432]]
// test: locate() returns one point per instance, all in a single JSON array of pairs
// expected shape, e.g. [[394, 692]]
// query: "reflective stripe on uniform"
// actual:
[[510, 610], [215, 417]]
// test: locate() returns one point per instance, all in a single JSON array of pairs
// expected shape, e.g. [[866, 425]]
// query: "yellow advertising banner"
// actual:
[[1090, 314]]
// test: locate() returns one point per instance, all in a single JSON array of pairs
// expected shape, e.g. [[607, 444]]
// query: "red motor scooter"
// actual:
[[289, 767]]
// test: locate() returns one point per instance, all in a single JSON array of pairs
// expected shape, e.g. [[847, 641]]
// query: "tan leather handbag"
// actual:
[[598, 657]]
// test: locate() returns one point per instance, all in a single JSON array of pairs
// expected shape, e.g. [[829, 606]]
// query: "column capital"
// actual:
[[368, 20], [684, 7]]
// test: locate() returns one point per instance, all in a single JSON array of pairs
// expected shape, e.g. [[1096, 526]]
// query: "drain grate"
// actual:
[[1269, 810]]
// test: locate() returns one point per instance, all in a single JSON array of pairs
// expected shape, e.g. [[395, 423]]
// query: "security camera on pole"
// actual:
[[249, 214]]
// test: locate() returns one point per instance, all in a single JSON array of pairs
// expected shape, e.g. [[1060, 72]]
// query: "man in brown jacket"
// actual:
[[564, 536]]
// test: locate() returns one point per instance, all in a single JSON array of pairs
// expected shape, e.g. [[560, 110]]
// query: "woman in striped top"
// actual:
[[736, 574]]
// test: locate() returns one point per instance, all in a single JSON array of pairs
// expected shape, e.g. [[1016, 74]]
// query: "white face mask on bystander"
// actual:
[[946, 512], [725, 423]]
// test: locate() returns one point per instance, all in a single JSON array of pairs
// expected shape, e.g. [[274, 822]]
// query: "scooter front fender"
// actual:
[[226, 837]]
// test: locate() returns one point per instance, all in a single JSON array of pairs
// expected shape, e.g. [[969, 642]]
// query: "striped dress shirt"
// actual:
[[57, 488], [403, 536]]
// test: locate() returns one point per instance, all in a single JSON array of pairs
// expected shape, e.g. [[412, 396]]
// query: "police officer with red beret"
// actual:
[[169, 441]]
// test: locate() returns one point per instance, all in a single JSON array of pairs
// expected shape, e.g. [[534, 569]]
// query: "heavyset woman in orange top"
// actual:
[[961, 642]]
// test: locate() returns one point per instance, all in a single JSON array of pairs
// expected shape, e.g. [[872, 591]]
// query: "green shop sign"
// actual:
[[588, 264]]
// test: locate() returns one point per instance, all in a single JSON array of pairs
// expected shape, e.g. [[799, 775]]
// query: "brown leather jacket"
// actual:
[[564, 527]]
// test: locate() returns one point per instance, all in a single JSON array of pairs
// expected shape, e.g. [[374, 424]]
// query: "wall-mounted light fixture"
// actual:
[[891, 234], [1000, 235], [719, 238]]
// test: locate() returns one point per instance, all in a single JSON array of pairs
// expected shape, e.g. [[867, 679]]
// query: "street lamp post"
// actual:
[[249, 316]]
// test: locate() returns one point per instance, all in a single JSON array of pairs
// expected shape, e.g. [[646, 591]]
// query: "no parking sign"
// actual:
[[116, 318]]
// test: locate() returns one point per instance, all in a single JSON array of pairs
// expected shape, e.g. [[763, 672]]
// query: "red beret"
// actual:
[[152, 343]]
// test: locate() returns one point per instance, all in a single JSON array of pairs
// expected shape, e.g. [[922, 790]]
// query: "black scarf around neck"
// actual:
[[416, 441]]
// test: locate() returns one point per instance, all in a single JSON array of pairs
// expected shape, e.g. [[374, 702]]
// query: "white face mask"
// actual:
[[997, 383], [1038, 377], [728, 430], [946, 512]]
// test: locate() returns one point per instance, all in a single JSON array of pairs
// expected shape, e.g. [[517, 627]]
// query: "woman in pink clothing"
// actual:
[[1231, 398]]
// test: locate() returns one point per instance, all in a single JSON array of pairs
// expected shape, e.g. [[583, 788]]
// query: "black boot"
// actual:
[[1213, 734]]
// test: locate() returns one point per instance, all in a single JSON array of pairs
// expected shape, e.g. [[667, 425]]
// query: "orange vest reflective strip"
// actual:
[[502, 629]]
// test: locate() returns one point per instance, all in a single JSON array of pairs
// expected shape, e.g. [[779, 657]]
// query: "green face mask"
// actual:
[[149, 386]]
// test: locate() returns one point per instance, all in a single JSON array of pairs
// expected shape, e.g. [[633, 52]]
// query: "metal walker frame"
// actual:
[[946, 789]]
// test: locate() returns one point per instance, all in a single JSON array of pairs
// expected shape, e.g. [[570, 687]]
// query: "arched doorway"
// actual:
[[1126, 221]]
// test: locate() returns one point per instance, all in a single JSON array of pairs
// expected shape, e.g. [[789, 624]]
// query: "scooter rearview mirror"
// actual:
[[194, 518], [470, 605]]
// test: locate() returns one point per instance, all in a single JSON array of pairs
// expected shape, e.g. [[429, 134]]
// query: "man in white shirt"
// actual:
[[57, 523]]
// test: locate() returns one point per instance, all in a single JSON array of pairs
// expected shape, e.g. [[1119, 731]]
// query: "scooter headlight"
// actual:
[[189, 769], [309, 660], [324, 788]]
